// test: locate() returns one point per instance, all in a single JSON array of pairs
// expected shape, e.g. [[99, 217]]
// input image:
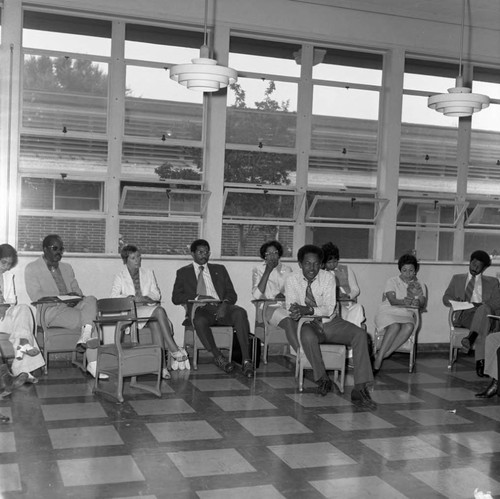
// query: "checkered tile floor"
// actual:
[[214, 436]]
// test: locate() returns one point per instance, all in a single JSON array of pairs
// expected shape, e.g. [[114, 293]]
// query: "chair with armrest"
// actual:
[[334, 358], [265, 332], [457, 334], [223, 335], [126, 356], [57, 339]]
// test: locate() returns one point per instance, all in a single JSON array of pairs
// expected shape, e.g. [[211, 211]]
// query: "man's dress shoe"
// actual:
[[490, 391], [480, 368], [468, 341]]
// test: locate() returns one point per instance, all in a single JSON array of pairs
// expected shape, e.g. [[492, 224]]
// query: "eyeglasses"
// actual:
[[6, 262], [202, 252], [54, 247], [270, 253]]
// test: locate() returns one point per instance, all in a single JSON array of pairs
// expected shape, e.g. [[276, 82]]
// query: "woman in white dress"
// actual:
[[141, 284], [268, 282], [403, 295], [17, 320]]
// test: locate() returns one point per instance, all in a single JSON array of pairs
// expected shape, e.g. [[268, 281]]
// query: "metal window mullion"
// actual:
[[348, 85]]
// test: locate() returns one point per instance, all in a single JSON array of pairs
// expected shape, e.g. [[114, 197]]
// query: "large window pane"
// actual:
[[262, 113], [255, 167], [156, 106], [484, 166], [428, 161], [162, 160], [64, 94], [62, 154], [52, 194]]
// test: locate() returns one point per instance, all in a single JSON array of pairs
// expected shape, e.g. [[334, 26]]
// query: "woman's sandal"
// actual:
[[180, 360]]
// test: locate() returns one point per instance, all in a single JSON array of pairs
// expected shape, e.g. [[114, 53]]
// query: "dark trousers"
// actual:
[[235, 316], [477, 320], [343, 333]]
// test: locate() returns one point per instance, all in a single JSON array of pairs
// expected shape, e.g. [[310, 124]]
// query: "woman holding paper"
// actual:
[[403, 295], [141, 284], [17, 320]]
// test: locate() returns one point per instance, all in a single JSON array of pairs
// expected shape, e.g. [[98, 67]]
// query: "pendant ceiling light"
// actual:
[[203, 74], [459, 101]]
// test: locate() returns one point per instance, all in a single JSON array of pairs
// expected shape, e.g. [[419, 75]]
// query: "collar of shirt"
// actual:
[[51, 266]]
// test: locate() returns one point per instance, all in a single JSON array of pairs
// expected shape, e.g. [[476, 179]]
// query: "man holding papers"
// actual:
[[50, 280], [482, 296]]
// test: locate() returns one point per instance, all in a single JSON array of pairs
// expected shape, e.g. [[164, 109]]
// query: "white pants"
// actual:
[[19, 324]]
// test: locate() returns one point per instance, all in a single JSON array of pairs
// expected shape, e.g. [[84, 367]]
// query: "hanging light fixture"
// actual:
[[203, 74], [459, 101]]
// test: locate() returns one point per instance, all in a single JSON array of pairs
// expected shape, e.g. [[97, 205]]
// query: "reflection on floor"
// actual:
[[214, 436]]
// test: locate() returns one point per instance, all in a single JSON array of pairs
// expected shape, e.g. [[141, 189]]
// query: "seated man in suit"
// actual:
[[491, 364], [202, 280], [312, 292], [483, 293], [47, 276]]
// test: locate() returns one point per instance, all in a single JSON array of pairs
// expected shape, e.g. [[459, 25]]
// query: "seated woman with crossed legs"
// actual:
[[141, 284], [398, 321]]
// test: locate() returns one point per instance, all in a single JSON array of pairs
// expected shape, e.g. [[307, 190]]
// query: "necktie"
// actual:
[[137, 282], [310, 301], [470, 288], [201, 288]]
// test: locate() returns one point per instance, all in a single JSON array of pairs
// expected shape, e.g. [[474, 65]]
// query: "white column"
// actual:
[[116, 111], [213, 161], [303, 139], [463, 157], [10, 92], [389, 152]]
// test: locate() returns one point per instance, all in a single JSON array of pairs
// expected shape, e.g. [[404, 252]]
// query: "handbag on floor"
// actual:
[[254, 346]]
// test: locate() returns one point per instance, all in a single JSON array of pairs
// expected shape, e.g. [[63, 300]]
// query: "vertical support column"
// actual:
[[214, 150], [10, 96], [389, 152], [463, 157], [116, 111], [303, 139]]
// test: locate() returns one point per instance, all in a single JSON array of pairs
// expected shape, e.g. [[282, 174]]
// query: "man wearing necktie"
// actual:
[[483, 292], [312, 292], [47, 277], [201, 280]]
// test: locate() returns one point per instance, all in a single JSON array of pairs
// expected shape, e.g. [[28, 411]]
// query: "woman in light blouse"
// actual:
[[403, 295], [268, 282], [141, 284]]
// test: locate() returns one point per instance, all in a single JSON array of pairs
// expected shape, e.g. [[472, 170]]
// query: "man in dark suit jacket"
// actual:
[[201, 281], [483, 293]]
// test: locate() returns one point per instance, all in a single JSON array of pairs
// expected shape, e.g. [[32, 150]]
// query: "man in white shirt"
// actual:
[[483, 292], [312, 292]]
